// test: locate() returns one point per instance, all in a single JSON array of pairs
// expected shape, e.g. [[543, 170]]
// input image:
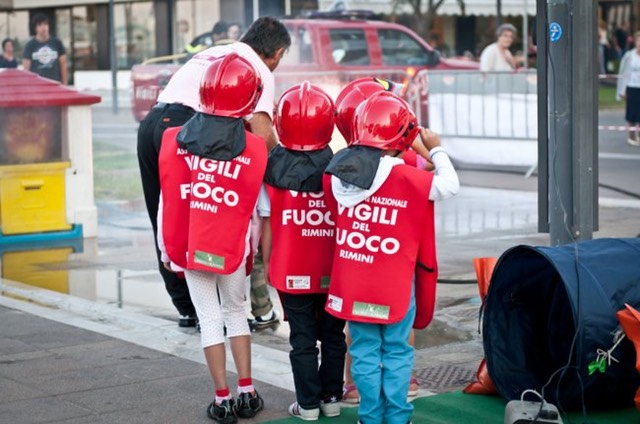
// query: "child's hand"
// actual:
[[429, 138]]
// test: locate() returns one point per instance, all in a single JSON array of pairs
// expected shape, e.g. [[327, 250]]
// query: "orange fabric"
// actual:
[[630, 321], [483, 384], [484, 268]]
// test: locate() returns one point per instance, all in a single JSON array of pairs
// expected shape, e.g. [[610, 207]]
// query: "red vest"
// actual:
[[302, 241], [381, 244], [217, 199], [173, 169]]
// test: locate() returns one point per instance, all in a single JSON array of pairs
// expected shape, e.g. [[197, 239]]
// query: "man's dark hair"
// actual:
[[37, 19], [5, 41], [221, 27], [266, 35]]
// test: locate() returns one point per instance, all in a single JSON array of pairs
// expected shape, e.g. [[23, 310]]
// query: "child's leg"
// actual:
[[366, 354], [350, 393], [303, 321], [334, 349], [232, 292], [397, 366], [202, 286], [413, 385]]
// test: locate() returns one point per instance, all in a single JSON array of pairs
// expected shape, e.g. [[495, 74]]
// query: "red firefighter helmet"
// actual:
[[230, 87], [305, 117], [352, 95], [385, 122]]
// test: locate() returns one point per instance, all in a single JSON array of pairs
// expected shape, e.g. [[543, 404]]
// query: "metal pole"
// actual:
[[541, 41], [114, 65], [256, 9], [572, 120], [585, 124]]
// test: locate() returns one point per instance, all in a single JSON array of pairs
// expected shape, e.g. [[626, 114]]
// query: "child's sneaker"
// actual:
[[249, 404], [298, 411], [222, 413], [413, 387], [330, 406], [350, 394]]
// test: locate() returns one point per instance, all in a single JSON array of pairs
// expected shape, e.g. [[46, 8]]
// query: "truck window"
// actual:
[[349, 47], [300, 51], [400, 49]]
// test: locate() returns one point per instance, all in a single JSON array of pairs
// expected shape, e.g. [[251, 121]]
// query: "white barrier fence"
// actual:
[[484, 118]]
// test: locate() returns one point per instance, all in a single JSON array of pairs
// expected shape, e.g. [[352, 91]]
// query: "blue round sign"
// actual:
[[555, 31]]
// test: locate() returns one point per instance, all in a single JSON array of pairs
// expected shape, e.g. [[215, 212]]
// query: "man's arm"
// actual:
[[262, 126], [26, 64], [64, 72]]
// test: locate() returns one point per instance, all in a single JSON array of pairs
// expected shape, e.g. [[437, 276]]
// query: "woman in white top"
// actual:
[[496, 56], [629, 89]]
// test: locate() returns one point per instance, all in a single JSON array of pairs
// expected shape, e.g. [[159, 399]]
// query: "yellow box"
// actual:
[[32, 198]]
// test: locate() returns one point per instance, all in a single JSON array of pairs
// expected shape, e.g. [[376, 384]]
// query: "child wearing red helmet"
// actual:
[[384, 267], [211, 171], [296, 225], [351, 96]]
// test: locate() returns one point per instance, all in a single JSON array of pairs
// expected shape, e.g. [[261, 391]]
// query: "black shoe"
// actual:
[[223, 413], [248, 405], [187, 321], [260, 322]]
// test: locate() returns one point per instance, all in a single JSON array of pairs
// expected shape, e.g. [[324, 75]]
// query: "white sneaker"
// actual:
[[298, 411], [633, 141], [330, 407]]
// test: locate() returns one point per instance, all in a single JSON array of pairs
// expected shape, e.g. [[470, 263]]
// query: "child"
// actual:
[[351, 96], [211, 171], [385, 236], [297, 247]]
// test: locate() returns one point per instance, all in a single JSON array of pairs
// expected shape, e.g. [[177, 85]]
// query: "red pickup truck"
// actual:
[[330, 53]]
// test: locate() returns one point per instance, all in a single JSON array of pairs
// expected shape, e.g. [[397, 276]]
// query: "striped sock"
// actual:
[[245, 385], [222, 394]]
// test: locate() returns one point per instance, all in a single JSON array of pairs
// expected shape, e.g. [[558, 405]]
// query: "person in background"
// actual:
[[264, 44], [8, 60], [204, 221], [234, 32], [382, 294], [629, 89], [603, 46], [44, 54], [497, 56], [297, 247], [216, 37], [621, 38]]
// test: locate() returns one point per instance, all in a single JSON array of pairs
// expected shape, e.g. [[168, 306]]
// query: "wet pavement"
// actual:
[[67, 301]]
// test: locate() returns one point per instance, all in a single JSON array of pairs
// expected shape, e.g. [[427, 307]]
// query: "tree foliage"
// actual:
[[423, 20]]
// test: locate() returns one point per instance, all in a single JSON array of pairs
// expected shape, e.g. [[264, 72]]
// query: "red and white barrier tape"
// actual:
[[618, 128]]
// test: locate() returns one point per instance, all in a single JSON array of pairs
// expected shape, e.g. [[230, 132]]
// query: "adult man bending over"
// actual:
[[263, 45]]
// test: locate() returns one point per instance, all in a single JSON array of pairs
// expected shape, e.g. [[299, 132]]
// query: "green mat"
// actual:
[[460, 408]]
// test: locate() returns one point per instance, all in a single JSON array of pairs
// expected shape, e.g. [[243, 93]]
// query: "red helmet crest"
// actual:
[[230, 87], [385, 122], [305, 117]]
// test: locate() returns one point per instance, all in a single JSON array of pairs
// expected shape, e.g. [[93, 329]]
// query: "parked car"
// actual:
[[330, 53]]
